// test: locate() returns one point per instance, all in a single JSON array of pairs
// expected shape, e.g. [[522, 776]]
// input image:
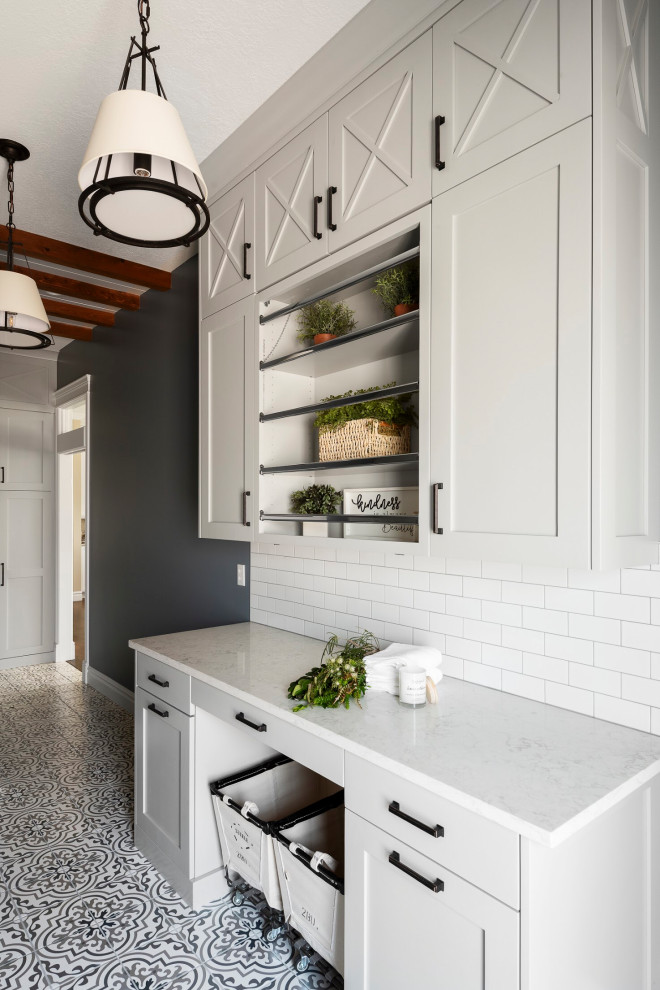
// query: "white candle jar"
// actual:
[[412, 687]]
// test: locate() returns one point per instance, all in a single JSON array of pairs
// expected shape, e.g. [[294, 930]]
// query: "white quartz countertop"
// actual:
[[541, 771]]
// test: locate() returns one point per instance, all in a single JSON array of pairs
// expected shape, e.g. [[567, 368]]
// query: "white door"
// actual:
[[163, 755], [227, 369], [26, 450], [380, 139], [27, 593], [226, 252], [411, 923], [511, 358], [291, 198], [506, 74]]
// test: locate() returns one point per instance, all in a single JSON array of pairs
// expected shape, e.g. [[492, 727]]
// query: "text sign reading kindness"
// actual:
[[381, 502]]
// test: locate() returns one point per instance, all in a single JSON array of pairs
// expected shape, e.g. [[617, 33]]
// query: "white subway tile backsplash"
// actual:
[[595, 679], [545, 620], [522, 684], [628, 607], [570, 600], [581, 640]]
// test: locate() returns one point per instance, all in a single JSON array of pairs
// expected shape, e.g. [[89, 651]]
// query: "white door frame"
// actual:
[[70, 442]]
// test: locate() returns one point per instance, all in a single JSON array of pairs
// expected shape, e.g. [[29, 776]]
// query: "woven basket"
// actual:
[[362, 438]]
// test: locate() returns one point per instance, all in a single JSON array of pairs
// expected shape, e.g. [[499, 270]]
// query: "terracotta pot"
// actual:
[[320, 338], [402, 308]]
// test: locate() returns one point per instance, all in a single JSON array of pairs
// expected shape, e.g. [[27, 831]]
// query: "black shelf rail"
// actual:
[[391, 460], [329, 345], [350, 400], [345, 284], [337, 517]]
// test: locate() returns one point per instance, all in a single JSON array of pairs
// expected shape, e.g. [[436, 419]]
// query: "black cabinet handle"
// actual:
[[245, 518], [317, 202], [435, 885], [152, 708], [2, 582], [246, 248], [152, 677], [439, 164], [253, 725], [331, 192], [2, 480], [437, 831], [436, 512]]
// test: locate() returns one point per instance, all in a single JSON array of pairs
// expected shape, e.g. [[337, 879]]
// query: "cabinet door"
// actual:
[[510, 361], [26, 450], [27, 586], [400, 933], [227, 370], [163, 805], [291, 192], [226, 253], [506, 75], [380, 138]]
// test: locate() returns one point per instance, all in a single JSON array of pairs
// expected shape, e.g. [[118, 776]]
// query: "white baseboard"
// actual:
[[79, 596], [116, 692], [28, 661], [65, 651]]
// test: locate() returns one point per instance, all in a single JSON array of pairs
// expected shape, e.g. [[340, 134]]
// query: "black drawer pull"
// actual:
[[437, 831], [246, 247], [439, 164], [152, 708], [435, 885], [152, 677], [253, 725], [317, 202]]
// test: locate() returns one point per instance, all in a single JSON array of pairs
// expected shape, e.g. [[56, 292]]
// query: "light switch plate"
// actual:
[[240, 575]]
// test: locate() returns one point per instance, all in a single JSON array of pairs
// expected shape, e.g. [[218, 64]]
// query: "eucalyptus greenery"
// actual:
[[316, 500], [393, 410], [398, 285], [325, 316], [341, 676]]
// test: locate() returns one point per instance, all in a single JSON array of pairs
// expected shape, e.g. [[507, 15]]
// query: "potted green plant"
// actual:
[[324, 320], [398, 288], [316, 500], [373, 428]]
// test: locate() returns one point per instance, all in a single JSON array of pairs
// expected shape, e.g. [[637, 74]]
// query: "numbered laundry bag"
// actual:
[[248, 803], [310, 863]]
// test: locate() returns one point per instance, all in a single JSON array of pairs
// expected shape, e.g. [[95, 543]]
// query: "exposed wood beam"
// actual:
[[70, 330], [61, 253], [79, 289], [99, 317]]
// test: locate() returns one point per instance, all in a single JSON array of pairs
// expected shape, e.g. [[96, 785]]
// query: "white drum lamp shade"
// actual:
[[141, 182], [21, 309]]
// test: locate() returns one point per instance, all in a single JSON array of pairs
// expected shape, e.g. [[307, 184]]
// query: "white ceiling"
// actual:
[[219, 60]]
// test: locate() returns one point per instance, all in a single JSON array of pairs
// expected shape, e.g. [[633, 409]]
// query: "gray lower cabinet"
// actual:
[[163, 773]]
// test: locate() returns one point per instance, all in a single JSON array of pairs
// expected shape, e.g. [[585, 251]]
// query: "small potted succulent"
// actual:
[[316, 500], [324, 320], [398, 288]]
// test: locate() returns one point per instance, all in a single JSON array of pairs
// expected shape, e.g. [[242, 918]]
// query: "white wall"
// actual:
[[577, 639]]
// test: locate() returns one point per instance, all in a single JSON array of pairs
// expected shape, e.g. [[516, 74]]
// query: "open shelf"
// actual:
[[344, 284], [351, 400], [337, 517], [399, 336], [393, 461]]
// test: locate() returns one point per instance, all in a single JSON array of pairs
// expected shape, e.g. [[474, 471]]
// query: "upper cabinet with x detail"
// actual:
[[226, 253], [506, 75]]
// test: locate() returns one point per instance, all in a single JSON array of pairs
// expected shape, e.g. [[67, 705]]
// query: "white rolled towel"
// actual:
[[383, 667]]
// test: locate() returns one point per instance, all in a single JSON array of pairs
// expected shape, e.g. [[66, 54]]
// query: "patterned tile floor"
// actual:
[[80, 907]]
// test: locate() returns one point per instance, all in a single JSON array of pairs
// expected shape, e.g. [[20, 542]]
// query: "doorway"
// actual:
[[73, 525]]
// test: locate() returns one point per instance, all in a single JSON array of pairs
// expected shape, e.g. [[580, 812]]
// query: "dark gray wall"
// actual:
[[149, 571]]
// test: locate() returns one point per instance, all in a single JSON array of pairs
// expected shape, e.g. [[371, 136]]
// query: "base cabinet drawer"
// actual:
[[410, 923], [485, 853], [317, 754], [163, 775], [165, 682]]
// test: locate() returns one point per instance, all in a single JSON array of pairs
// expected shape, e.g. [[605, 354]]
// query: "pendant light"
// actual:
[[141, 182], [23, 320]]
